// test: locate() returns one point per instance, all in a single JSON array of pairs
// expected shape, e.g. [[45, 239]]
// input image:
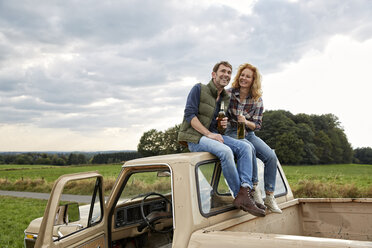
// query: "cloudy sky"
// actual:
[[95, 75]]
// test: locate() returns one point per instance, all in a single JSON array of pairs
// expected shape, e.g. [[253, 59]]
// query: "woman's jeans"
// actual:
[[263, 152], [235, 176]]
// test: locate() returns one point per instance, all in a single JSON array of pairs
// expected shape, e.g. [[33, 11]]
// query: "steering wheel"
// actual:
[[154, 216]]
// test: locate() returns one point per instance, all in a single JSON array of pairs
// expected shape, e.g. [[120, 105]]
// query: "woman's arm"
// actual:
[[254, 122]]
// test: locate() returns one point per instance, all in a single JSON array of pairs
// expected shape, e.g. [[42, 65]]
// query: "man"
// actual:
[[199, 131]]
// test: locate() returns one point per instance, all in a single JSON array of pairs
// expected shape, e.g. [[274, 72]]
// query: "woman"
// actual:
[[246, 99]]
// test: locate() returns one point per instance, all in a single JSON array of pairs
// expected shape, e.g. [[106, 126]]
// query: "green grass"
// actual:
[[338, 180], [338, 174], [21, 166], [16, 214]]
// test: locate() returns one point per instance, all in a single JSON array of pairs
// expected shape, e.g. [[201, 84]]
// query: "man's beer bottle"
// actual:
[[241, 128], [221, 115]]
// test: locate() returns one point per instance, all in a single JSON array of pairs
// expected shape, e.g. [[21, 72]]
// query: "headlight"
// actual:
[[30, 240]]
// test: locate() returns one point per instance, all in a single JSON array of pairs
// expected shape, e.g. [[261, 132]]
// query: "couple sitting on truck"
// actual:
[[199, 131]]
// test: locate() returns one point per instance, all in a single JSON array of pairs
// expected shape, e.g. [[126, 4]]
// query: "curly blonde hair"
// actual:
[[255, 90]]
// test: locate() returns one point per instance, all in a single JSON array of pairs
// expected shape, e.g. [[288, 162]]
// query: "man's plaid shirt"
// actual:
[[252, 110]]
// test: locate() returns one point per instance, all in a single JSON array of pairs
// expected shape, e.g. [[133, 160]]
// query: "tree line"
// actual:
[[296, 139], [67, 159], [44, 158], [363, 155], [306, 139], [118, 157]]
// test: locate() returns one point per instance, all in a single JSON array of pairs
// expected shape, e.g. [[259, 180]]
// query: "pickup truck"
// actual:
[[182, 200]]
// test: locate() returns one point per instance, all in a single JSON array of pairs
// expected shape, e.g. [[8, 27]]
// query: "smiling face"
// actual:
[[222, 77], [246, 78]]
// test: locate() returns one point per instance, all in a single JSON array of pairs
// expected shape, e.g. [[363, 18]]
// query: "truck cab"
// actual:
[[183, 193]]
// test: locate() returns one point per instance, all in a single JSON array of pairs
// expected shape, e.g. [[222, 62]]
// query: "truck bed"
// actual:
[[310, 222]]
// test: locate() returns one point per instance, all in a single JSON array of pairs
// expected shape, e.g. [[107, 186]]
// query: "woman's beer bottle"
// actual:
[[241, 128]]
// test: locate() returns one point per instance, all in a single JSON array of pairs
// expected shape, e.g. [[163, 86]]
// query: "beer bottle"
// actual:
[[241, 127], [221, 115]]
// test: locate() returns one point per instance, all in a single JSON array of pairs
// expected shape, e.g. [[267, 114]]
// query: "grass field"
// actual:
[[346, 180], [38, 178], [51, 173], [340, 174], [16, 214], [338, 180]]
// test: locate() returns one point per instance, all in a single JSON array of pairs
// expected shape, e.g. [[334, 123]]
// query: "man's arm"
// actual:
[[198, 126]]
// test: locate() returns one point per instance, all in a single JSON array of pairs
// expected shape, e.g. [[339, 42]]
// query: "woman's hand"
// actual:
[[241, 118]]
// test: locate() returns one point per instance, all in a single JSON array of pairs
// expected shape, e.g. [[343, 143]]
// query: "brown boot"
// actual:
[[240, 199], [245, 202]]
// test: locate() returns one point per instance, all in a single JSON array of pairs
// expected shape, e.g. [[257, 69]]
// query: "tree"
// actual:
[[324, 140], [274, 124], [332, 143], [363, 155], [81, 159], [114, 157], [76, 159], [23, 159], [151, 143], [57, 160], [155, 142], [43, 160], [170, 142], [306, 134], [289, 148]]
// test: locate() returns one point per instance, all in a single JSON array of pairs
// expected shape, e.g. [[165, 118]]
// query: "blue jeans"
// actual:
[[263, 152], [235, 176]]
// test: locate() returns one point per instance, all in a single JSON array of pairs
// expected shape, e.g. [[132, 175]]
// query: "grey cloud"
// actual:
[[13, 115], [88, 51], [284, 30], [8, 85], [97, 21]]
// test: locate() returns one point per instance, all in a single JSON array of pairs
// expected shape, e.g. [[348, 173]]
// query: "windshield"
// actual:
[[144, 182]]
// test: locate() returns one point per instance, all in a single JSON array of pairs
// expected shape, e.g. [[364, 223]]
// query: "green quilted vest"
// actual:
[[207, 105]]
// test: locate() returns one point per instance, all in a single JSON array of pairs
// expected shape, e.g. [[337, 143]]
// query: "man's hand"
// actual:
[[215, 136], [196, 124], [224, 122]]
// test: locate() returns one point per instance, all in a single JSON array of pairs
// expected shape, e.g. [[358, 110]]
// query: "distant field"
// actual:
[[19, 166], [39, 178], [50, 173]]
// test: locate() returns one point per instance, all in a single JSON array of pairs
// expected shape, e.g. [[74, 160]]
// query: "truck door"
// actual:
[[75, 213]]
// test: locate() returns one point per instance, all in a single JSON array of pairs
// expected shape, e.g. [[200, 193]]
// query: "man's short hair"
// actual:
[[225, 63]]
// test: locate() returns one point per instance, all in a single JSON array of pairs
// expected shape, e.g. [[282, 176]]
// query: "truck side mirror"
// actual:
[[73, 213], [164, 174], [67, 213]]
